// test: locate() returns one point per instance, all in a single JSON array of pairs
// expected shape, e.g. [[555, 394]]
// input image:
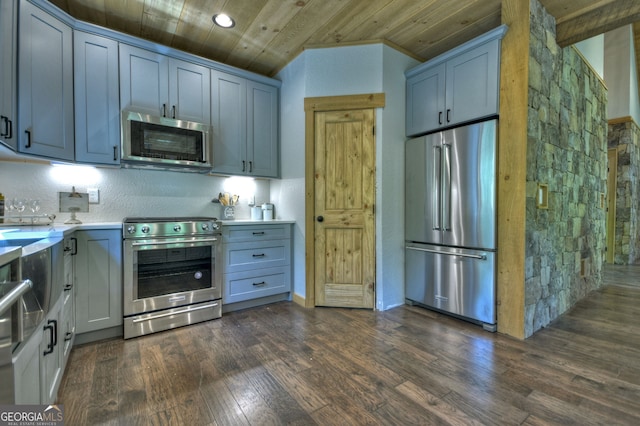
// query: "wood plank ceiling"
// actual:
[[270, 33]]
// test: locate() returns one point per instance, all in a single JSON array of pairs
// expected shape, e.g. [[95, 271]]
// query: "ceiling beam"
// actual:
[[606, 16]]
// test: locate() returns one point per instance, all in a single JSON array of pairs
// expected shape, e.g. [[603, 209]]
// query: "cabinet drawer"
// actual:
[[255, 233], [256, 255], [246, 285]]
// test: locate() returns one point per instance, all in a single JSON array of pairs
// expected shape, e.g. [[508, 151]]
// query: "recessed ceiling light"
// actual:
[[223, 20]]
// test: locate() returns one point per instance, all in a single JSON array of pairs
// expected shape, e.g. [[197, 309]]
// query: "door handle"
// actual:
[[320, 219], [8, 127]]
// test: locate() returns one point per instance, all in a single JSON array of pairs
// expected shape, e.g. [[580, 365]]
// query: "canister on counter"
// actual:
[[267, 211]]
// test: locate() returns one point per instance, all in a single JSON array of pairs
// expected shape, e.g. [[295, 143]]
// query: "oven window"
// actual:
[[174, 270]]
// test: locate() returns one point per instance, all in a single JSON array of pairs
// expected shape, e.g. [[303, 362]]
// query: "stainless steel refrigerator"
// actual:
[[450, 222]]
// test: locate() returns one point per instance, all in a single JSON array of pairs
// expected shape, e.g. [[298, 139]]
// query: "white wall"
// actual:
[[593, 51], [288, 193], [346, 71], [620, 74], [126, 192]]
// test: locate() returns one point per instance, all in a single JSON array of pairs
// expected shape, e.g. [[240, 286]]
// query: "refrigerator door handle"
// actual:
[[448, 253], [435, 191], [446, 189]]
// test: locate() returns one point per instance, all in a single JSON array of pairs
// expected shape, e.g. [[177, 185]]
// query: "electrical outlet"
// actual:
[[94, 195], [252, 200]]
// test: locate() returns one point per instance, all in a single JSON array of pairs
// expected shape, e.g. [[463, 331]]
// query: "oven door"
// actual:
[[168, 273]]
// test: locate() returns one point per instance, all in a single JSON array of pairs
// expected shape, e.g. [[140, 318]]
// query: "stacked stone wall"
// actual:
[[624, 137], [566, 150]]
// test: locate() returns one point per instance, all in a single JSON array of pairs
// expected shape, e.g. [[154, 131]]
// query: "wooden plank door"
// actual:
[[344, 208]]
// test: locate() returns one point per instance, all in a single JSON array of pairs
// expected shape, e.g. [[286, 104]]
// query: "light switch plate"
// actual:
[[94, 195]]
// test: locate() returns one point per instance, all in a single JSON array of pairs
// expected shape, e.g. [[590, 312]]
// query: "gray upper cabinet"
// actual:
[[245, 125], [97, 103], [8, 67], [262, 129], [459, 86], [45, 67], [158, 85], [189, 92]]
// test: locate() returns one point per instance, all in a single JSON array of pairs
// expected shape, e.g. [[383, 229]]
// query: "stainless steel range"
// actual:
[[172, 275]]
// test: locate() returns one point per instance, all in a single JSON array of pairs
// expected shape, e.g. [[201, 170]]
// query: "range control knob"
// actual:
[[205, 226], [215, 225], [177, 228], [145, 229], [131, 229]]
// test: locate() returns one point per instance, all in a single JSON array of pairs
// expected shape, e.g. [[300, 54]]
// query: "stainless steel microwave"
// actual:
[[165, 142]]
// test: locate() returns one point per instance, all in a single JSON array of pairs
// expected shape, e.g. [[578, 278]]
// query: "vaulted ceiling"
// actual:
[[270, 33]]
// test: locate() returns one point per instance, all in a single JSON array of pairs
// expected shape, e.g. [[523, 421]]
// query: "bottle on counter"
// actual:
[[1, 208]]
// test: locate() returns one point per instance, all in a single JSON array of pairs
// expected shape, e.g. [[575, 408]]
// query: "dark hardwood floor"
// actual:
[[283, 364]]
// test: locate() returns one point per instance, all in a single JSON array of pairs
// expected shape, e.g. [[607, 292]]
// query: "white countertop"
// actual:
[[52, 230]]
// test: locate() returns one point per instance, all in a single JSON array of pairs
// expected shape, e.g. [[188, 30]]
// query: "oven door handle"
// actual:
[[168, 314], [166, 243]]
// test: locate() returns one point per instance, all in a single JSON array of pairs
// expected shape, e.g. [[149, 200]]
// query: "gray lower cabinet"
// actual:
[[257, 261], [40, 362], [98, 266], [51, 354], [26, 370], [69, 297]]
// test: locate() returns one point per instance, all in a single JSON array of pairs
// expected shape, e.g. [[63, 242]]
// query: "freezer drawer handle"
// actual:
[[472, 256]]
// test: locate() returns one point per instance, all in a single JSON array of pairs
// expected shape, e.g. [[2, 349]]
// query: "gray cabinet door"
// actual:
[[245, 126], [26, 370], [45, 85], [98, 284], [51, 355], [473, 84], [425, 101], [262, 129], [144, 80], [189, 92], [97, 102], [8, 67], [229, 111]]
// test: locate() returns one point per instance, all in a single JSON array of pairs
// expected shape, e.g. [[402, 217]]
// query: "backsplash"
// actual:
[[128, 192]]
